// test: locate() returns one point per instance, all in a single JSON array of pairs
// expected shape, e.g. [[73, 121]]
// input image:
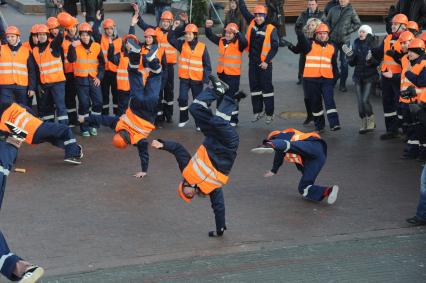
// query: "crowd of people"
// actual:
[[78, 71]]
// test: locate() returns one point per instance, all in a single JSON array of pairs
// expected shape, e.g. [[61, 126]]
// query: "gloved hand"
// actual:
[[409, 93], [286, 43], [152, 53], [391, 53], [347, 50], [369, 56]]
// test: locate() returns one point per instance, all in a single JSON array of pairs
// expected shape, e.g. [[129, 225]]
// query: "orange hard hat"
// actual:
[[322, 28], [42, 29], [191, 28], [85, 27], [423, 36], [52, 23], [130, 36], [260, 9], [34, 28], [65, 19], [231, 25], [13, 30], [406, 36], [413, 25], [108, 23], [167, 16], [400, 19], [121, 139], [73, 23], [417, 43], [181, 194], [149, 32]]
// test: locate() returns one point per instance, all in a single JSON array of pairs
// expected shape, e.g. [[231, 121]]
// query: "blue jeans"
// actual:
[[421, 207]]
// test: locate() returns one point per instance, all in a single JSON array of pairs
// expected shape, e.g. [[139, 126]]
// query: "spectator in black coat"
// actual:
[[415, 10], [70, 6], [90, 7], [330, 5]]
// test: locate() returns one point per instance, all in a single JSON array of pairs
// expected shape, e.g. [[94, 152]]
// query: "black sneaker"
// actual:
[[308, 120], [240, 95], [219, 86], [342, 88], [416, 221], [336, 128], [32, 274], [389, 136], [16, 131]]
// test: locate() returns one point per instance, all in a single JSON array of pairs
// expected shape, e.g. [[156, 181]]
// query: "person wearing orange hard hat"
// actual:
[[48, 55], [165, 112], [137, 122], [53, 24], [206, 172], [391, 69], [88, 60], [194, 67], [70, 24], [18, 77], [416, 94], [263, 42], [32, 39], [413, 27], [231, 48], [109, 81], [320, 75]]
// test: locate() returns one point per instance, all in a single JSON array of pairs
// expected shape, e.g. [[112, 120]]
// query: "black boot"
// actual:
[[240, 95], [310, 117]]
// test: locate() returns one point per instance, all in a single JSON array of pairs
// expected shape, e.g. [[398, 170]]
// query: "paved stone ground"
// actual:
[[96, 217]]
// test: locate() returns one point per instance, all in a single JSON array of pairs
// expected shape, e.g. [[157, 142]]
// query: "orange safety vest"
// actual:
[[87, 61], [50, 67], [137, 127], [19, 116], [318, 62], [118, 43], [122, 74], [230, 59], [145, 71], [13, 66], [421, 91], [389, 63], [68, 67], [27, 45], [298, 136], [266, 47], [171, 52], [201, 172], [405, 83], [191, 62]]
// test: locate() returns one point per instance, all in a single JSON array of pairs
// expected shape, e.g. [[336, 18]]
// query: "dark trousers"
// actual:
[[70, 98], [109, 84], [8, 265], [216, 127], [123, 101], [234, 86], [322, 89], [261, 88], [165, 105], [307, 99], [302, 60], [363, 91], [51, 97], [58, 135], [89, 95], [10, 93], [185, 85], [344, 69], [390, 98]]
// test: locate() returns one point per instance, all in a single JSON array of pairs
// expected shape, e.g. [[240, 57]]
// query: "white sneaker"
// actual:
[[181, 125], [32, 274], [269, 119], [262, 150], [257, 117], [332, 197]]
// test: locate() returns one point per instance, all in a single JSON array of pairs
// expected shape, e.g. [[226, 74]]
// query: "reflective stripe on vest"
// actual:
[[146, 71], [405, 83], [122, 74], [13, 66], [201, 172], [230, 59], [266, 47], [19, 116], [87, 61], [389, 63], [118, 42], [137, 127], [51, 68], [68, 67], [318, 62], [171, 52], [191, 62]]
